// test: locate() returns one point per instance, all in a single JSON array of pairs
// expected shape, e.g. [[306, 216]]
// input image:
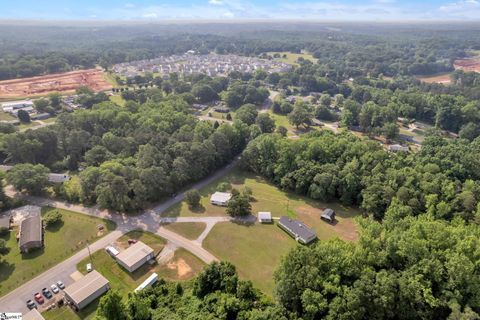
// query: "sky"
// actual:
[[328, 10]]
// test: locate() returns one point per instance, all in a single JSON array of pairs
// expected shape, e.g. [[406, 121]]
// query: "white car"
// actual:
[[89, 267], [54, 289], [60, 284]]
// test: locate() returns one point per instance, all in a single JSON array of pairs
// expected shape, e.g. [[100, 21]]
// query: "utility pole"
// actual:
[[89, 254]]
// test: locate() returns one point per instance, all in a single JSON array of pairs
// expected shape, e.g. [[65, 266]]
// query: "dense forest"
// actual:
[[350, 50]]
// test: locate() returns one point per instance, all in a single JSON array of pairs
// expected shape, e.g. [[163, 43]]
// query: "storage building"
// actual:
[[87, 289], [135, 256], [265, 217], [297, 229], [220, 198], [31, 233]]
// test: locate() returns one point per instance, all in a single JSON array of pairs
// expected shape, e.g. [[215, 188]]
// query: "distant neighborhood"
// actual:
[[191, 63]]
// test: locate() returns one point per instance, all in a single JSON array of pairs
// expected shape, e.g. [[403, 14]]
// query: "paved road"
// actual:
[[149, 220]]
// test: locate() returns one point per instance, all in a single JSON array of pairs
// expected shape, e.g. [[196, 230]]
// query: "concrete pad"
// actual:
[[77, 275]]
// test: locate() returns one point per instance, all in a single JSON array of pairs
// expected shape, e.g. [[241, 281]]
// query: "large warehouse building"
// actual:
[[135, 256], [87, 289]]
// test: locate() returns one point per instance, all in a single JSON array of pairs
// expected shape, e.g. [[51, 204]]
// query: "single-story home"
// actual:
[[9, 107], [86, 289], [397, 148], [58, 177], [221, 109], [41, 116], [265, 217], [33, 315], [31, 233], [5, 222], [297, 230], [135, 256], [328, 215], [220, 198]]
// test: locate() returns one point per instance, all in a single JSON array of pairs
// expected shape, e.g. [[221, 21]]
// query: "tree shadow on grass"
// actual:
[[55, 227], [35, 253], [6, 270], [198, 209]]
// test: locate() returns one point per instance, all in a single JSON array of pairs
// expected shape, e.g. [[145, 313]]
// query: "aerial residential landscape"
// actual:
[[245, 160]]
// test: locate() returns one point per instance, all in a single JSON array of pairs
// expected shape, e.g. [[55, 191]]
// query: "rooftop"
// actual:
[[86, 286], [33, 315], [134, 254], [221, 196], [328, 212], [264, 215], [30, 230], [297, 227], [4, 221]]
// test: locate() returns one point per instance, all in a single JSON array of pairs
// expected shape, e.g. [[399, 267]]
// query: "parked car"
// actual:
[[54, 289], [132, 241], [38, 297], [89, 267], [31, 305], [60, 284], [47, 293]]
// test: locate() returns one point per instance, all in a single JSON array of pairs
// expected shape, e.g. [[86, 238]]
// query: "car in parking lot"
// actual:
[[89, 267], [31, 305], [47, 293], [54, 288], [60, 284], [38, 297]]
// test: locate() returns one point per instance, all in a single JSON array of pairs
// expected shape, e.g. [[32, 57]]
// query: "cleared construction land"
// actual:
[[61, 82]]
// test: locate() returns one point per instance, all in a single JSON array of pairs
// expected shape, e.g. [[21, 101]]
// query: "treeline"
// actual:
[[441, 179], [349, 52]]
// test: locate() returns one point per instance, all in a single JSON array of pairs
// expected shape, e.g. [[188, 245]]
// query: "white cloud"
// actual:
[[129, 5], [150, 15], [216, 2], [464, 9]]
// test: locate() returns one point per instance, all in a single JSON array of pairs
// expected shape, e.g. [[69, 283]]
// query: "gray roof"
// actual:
[[5, 221], [86, 286], [297, 227], [30, 230], [328, 212]]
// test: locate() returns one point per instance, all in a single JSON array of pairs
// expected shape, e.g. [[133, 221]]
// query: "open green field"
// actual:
[[189, 230], [293, 57], [50, 120], [61, 241], [256, 250], [6, 116], [118, 100], [29, 125]]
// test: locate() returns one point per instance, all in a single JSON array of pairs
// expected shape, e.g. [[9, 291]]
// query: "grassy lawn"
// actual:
[[65, 313], [255, 250], [110, 77], [189, 230], [118, 100], [28, 125], [293, 57], [6, 116], [50, 120], [61, 241]]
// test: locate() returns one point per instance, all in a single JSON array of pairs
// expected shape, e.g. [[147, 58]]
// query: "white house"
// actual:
[[220, 198], [135, 256], [397, 148], [265, 217]]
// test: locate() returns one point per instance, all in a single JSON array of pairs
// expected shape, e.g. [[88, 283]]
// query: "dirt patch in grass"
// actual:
[[344, 228], [181, 267]]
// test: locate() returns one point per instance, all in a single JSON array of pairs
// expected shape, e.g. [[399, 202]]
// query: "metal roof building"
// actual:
[[84, 291], [297, 229], [31, 233], [220, 198], [135, 256], [265, 217]]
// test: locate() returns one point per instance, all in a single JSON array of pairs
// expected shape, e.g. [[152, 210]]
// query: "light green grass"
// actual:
[[29, 125], [66, 313], [293, 57], [118, 100], [6, 116], [255, 250], [50, 120], [61, 242], [189, 230], [110, 77]]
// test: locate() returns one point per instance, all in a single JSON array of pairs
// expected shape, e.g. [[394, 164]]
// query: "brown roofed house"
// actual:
[[31, 234]]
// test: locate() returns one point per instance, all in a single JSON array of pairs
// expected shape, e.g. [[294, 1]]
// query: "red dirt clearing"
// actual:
[[467, 65], [61, 82]]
